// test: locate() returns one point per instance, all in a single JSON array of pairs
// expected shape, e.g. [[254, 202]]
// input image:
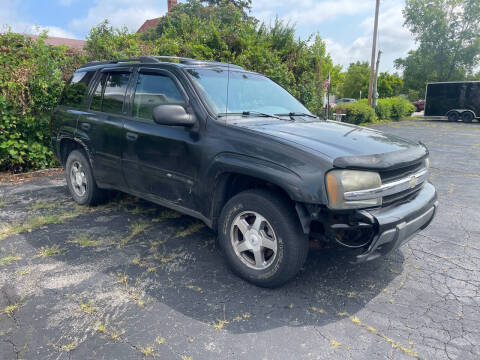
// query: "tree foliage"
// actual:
[[222, 32], [448, 34], [389, 85], [356, 79]]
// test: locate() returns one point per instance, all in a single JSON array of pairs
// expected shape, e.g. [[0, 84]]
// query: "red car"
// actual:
[[419, 105]]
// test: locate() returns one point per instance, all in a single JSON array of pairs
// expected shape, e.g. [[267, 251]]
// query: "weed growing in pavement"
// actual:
[[48, 251]]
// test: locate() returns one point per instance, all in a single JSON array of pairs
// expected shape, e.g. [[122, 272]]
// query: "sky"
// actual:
[[345, 25]]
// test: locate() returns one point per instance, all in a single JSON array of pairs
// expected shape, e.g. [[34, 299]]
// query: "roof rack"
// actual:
[[159, 59]]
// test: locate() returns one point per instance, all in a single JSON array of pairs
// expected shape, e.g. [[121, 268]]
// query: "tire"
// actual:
[[80, 182], [286, 245], [467, 117], [453, 116]]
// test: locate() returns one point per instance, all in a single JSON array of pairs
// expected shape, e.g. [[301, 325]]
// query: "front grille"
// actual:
[[401, 173], [401, 196], [392, 175]]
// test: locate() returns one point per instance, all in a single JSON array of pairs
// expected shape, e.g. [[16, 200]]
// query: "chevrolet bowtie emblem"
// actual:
[[413, 182]]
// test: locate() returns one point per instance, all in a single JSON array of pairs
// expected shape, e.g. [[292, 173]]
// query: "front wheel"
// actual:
[[261, 237], [80, 180]]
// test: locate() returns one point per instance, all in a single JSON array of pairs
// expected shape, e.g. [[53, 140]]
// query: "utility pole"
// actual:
[[375, 83], [374, 50]]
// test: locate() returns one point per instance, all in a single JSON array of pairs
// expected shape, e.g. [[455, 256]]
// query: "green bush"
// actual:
[[357, 113], [394, 108], [400, 108], [383, 109], [31, 81], [24, 142]]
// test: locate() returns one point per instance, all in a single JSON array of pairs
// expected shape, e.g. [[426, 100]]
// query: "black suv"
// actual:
[[236, 150]]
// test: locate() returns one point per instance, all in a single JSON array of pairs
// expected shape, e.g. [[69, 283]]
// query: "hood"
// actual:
[[348, 146]]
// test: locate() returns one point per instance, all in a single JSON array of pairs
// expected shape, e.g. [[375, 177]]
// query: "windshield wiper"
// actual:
[[293, 114], [251, 113]]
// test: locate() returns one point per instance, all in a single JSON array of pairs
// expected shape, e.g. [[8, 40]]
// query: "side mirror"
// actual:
[[173, 115]]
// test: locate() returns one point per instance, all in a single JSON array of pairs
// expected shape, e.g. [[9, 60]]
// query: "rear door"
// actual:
[[102, 125], [159, 159]]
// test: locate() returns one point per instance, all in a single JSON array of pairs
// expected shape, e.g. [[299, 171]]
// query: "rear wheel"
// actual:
[[467, 117], [453, 116], [80, 181], [262, 238]]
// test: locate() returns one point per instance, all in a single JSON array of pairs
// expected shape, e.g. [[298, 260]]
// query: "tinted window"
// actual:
[[97, 96], [153, 90], [76, 88], [114, 92]]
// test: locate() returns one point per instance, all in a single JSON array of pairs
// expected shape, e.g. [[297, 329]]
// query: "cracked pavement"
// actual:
[[133, 280]]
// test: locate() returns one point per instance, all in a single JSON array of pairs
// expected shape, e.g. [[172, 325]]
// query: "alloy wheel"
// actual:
[[253, 240]]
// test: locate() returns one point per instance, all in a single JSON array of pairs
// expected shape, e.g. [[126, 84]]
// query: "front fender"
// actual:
[[299, 188]]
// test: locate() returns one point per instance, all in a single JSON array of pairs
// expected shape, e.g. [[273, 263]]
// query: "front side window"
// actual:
[[76, 88], [153, 90], [110, 92], [234, 92]]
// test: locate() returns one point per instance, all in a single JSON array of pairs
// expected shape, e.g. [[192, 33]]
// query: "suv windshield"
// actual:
[[243, 92]]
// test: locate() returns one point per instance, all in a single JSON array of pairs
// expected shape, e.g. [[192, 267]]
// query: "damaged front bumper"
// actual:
[[397, 224]]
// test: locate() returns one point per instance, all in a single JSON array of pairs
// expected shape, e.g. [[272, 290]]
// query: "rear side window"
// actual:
[[153, 90], [98, 94], [76, 88], [110, 93]]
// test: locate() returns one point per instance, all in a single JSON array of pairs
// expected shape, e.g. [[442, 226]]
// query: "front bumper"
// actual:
[[397, 224]]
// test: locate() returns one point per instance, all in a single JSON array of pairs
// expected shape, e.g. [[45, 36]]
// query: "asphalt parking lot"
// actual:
[[130, 279]]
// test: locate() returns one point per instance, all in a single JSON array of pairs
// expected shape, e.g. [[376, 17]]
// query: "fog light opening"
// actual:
[[353, 238]]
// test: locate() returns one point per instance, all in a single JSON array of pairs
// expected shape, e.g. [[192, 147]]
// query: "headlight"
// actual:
[[339, 182]]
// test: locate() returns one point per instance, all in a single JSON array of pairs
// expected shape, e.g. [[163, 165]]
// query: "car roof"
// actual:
[[156, 60]]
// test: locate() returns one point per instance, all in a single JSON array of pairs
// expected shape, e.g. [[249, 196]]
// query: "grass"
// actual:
[[85, 240], [9, 259], [69, 347], [146, 351], [10, 309], [219, 324], [2, 204], [89, 309], [36, 222], [48, 251], [135, 229], [167, 214], [190, 230], [43, 205]]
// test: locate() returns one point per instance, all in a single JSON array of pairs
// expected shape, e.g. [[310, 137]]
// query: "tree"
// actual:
[[447, 32], [221, 32], [356, 79], [240, 4], [105, 43], [389, 85]]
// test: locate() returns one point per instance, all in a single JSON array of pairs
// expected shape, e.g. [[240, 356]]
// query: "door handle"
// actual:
[[132, 136], [85, 126]]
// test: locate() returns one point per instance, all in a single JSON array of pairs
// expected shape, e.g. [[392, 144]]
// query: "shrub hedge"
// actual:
[[357, 112], [394, 108], [32, 75], [387, 109]]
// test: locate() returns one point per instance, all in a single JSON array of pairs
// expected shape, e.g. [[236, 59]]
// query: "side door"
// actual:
[[159, 160], [103, 125]]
